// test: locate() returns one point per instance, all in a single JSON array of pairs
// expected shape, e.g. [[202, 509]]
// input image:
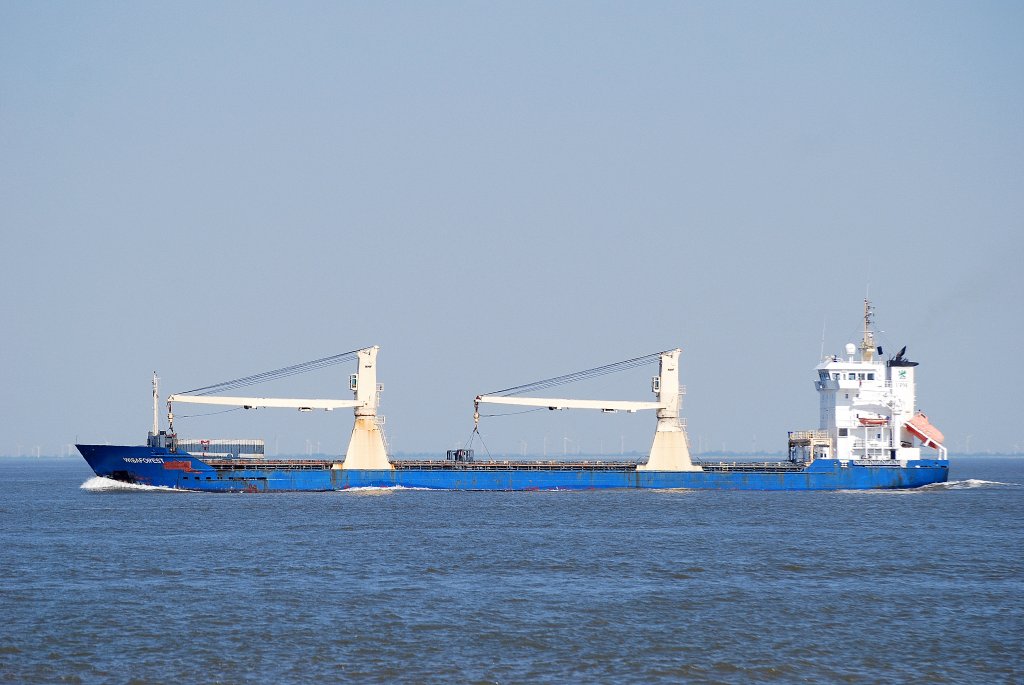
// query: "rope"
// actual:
[[578, 375], [513, 413], [283, 372], [212, 413], [476, 433]]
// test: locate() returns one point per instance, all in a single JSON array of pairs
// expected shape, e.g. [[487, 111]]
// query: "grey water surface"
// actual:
[[103, 584]]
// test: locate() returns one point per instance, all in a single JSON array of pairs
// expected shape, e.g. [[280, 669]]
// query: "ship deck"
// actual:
[[422, 465], [446, 465], [752, 466], [493, 465]]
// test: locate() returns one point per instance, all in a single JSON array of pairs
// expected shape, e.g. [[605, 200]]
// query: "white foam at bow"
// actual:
[[379, 489], [101, 484]]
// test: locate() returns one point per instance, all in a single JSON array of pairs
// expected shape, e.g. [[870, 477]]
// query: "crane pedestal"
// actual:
[[669, 451], [366, 449]]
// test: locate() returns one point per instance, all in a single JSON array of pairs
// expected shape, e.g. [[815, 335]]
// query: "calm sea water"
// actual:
[[103, 585]]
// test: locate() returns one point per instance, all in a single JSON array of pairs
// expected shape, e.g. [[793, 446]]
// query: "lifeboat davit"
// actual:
[[928, 434]]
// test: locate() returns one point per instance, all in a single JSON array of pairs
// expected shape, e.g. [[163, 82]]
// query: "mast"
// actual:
[[156, 405], [867, 344]]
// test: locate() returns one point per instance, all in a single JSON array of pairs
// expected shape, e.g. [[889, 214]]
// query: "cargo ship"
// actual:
[[870, 436]]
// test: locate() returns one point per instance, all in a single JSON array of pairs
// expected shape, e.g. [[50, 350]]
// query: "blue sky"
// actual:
[[500, 192]]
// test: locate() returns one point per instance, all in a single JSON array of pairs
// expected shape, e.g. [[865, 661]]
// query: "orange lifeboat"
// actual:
[[928, 434], [866, 421]]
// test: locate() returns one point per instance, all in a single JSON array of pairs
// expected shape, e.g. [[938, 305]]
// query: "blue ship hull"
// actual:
[[158, 466]]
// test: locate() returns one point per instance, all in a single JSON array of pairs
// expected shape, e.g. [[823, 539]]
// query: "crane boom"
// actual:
[[265, 402], [554, 403]]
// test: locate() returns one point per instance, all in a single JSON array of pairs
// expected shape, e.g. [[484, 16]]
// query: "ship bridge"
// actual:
[[867, 404]]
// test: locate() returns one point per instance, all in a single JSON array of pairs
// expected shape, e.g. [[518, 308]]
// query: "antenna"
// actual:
[[824, 320], [867, 345]]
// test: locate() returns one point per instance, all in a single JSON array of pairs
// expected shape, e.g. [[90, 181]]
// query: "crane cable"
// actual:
[[212, 413], [473, 436], [578, 375], [283, 372], [553, 382]]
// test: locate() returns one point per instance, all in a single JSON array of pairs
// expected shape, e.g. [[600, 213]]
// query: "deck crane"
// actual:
[[366, 447], [669, 452]]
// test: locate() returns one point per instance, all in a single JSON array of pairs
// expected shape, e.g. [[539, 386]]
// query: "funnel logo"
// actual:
[[903, 374]]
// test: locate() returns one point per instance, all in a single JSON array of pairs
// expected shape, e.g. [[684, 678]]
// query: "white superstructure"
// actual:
[[867, 406]]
